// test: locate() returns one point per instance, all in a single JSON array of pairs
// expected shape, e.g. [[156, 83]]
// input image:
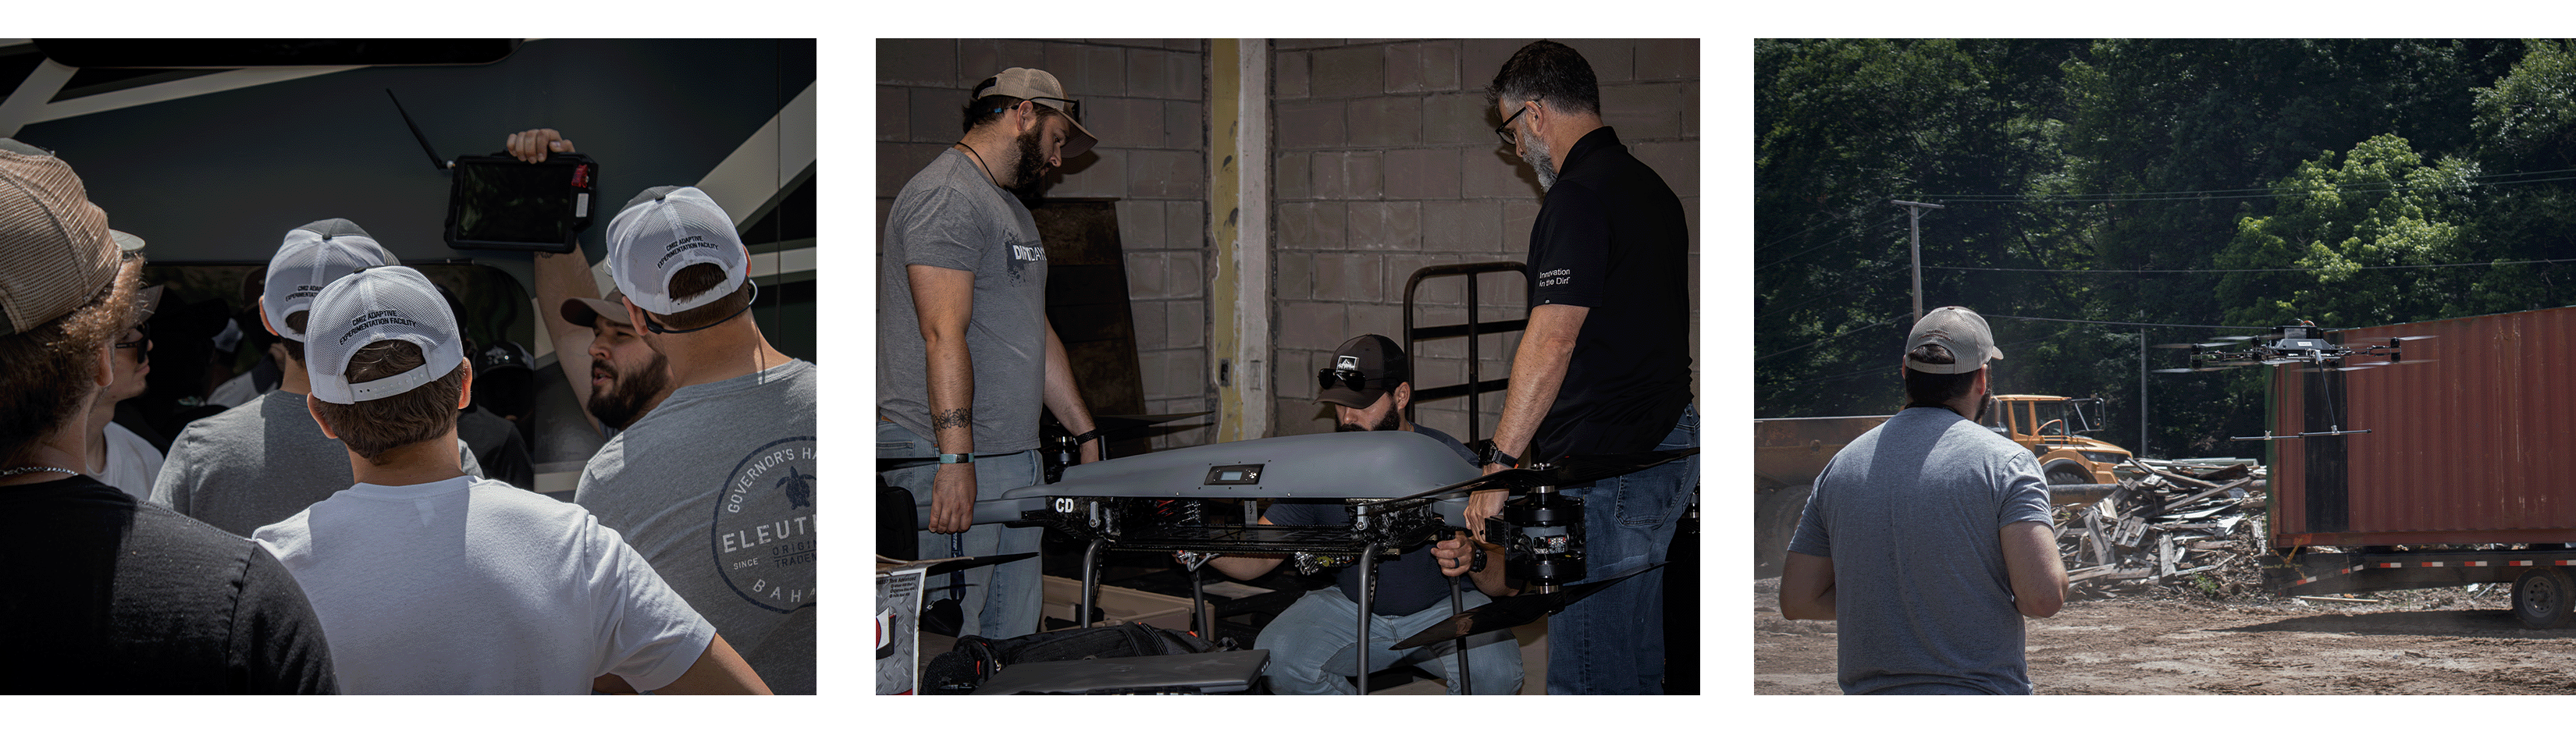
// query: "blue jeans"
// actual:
[[1313, 651], [999, 601], [1612, 642]]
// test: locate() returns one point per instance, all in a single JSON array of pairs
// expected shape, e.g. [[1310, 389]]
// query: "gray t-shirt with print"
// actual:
[[950, 215], [716, 488], [1911, 514], [258, 463]]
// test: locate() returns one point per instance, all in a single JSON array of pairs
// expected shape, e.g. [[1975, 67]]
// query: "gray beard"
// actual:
[[1540, 162]]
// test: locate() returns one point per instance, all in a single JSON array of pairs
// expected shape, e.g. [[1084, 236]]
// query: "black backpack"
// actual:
[[976, 658]]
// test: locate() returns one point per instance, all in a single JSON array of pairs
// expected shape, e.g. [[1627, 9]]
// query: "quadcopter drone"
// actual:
[[2302, 344]]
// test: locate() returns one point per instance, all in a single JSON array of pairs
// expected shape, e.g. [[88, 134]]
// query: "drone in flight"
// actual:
[[2302, 344]]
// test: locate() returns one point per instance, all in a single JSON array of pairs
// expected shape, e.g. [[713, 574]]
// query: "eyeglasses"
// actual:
[[140, 339], [1510, 138], [1348, 377]]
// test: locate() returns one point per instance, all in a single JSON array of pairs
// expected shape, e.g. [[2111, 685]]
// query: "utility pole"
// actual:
[[1914, 218]]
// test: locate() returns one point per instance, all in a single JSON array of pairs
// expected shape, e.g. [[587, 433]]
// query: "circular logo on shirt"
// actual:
[[764, 526]]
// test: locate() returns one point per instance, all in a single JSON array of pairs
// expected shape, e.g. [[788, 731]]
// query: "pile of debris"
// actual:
[[2169, 521]]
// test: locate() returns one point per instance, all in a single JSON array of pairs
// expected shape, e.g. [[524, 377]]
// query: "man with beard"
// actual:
[[1312, 644], [614, 377], [966, 355], [1601, 368]]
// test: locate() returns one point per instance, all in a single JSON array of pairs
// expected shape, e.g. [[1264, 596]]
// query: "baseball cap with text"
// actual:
[[374, 305], [312, 257], [666, 229], [1363, 369], [1960, 330]]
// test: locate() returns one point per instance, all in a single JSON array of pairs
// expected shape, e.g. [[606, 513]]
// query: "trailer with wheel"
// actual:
[[2454, 464]]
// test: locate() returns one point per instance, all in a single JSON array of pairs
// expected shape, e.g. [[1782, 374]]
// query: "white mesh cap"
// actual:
[[375, 305], [664, 230], [312, 257]]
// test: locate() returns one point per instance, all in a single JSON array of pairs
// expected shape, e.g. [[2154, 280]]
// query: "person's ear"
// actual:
[[313, 405], [465, 397], [1403, 394]]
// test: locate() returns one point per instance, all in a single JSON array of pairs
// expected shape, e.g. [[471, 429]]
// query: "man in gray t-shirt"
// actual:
[[966, 357], [1928, 538]]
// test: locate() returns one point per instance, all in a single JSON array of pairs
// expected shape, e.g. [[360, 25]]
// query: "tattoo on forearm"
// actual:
[[961, 417]]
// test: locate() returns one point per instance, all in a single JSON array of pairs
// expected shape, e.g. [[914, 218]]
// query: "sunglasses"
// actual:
[[140, 339], [1348, 377]]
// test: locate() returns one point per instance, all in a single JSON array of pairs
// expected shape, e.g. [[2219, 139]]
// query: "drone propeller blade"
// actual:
[[2175, 346], [2411, 337], [2280, 361], [2234, 338], [2178, 371]]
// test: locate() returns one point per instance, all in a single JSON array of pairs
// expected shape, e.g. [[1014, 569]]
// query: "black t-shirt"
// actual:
[[1611, 237], [111, 595], [1406, 583]]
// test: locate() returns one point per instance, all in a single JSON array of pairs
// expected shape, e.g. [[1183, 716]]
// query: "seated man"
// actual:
[[432, 581], [1313, 648]]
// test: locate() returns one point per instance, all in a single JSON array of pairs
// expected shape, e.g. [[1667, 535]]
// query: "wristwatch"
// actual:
[[1488, 453], [955, 459]]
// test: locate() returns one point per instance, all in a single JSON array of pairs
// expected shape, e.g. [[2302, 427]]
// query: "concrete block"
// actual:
[[1690, 113], [1152, 366], [1421, 67], [1185, 274], [1315, 226], [1668, 59], [1518, 218], [917, 62], [979, 59], [1400, 269], [1386, 225], [893, 114], [1152, 320], [1645, 111], [1185, 323], [1166, 174], [1101, 172], [1473, 226], [1126, 123], [1294, 278], [1348, 175], [1312, 325], [1148, 74], [1422, 174], [1480, 59], [1358, 278], [1495, 175], [935, 115], [1289, 72], [1386, 121], [1291, 378], [1348, 72], [1315, 124], [1460, 118], [1292, 175], [1185, 125], [1676, 161], [1186, 226], [1184, 373], [1140, 225], [1127, 42], [1184, 45], [1104, 74], [1185, 75], [1144, 275], [1378, 318], [1613, 60], [1303, 44], [1329, 277]]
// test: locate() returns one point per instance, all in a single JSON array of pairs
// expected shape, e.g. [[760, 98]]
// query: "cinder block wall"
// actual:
[[1385, 161], [1147, 101]]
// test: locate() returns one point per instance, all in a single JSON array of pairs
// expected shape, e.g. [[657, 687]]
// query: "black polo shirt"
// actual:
[[1611, 237]]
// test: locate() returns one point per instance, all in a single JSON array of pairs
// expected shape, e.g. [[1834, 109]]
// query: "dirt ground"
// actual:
[[2430, 642]]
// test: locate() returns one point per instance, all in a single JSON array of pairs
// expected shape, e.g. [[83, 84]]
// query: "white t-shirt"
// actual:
[[131, 462], [474, 586]]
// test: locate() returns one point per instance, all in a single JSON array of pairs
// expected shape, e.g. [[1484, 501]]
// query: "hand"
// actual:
[[1455, 555], [1090, 451], [534, 145], [1482, 505], [952, 498]]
